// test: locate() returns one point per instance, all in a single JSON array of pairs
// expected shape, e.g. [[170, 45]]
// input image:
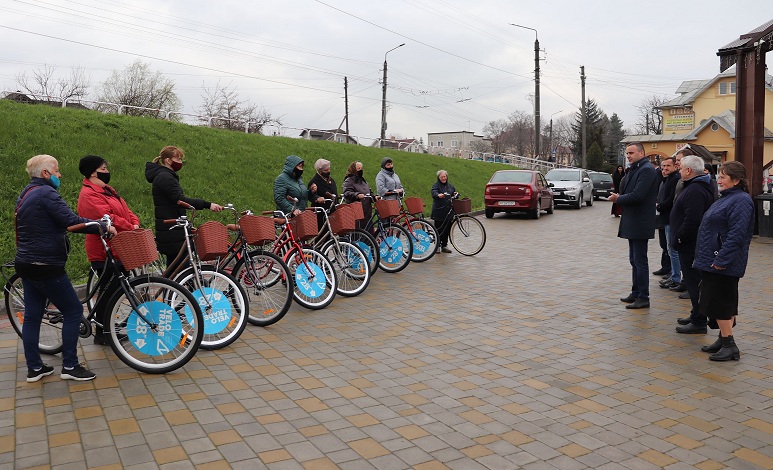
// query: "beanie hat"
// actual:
[[89, 164], [385, 161]]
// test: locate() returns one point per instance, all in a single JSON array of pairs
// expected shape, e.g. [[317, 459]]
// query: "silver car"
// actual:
[[571, 186]]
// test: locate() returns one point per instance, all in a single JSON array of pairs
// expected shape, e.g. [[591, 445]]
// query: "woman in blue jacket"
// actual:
[[721, 254]]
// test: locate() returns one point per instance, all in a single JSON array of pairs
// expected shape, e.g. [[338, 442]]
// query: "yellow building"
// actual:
[[704, 114]]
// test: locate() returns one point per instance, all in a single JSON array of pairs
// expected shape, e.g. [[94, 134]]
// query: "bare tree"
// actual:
[[236, 114], [649, 117], [498, 132], [138, 86], [43, 82]]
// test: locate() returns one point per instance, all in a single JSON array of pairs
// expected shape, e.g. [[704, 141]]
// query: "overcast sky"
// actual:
[[462, 65]]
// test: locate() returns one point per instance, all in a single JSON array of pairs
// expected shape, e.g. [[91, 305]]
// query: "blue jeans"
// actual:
[[640, 281], [676, 268], [60, 292]]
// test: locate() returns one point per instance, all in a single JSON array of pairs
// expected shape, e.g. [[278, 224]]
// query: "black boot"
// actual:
[[713, 347], [729, 351]]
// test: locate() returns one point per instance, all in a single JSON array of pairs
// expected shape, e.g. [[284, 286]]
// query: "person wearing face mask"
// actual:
[[325, 188], [356, 189], [96, 199], [162, 172], [41, 219], [289, 183], [388, 183]]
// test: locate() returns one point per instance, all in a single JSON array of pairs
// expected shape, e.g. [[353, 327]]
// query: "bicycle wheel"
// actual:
[[315, 280], [50, 341], [223, 303], [395, 248], [170, 336], [351, 267], [267, 281], [367, 243], [423, 238], [91, 286], [467, 235]]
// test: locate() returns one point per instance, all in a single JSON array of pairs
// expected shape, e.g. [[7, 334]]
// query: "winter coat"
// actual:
[[638, 191], [617, 177], [387, 180], [325, 188], [286, 184], [166, 192], [94, 202], [354, 185], [665, 200], [441, 206], [687, 213], [42, 218], [725, 234]]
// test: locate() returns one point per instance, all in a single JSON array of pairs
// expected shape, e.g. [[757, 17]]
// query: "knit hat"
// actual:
[[89, 164], [385, 161]]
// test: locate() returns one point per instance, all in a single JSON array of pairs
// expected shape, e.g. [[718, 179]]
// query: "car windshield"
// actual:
[[600, 177], [563, 175], [511, 177]]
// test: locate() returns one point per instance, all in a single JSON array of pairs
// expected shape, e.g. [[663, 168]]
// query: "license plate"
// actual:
[[506, 203]]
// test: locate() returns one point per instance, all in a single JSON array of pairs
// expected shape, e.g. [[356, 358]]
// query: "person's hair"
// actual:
[[321, 163], [673, 160], [439, 172], [709, 168], [352, 170], [735, 170], [693, 162], [170, 151], [638, 146], [38, 163], [686, 152]]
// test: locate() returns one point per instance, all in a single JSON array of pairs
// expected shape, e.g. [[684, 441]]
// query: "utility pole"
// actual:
[[584, 143], [383, 98], [346, 107], [537, 130]]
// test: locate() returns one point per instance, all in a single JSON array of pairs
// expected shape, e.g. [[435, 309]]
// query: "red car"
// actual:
[[518, 191]]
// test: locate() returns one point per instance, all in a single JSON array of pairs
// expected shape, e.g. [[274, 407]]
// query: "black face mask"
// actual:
[[103, 177], [359, 173], [325, 174], [297, 173]]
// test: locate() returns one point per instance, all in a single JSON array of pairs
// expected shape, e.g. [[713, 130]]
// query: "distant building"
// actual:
[[20, 97], [404, 145], [454, 144], [333, 135]]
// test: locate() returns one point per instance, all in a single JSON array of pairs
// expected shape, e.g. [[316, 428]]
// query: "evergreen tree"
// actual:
[[596, 158], [614, 135], [594, 125]]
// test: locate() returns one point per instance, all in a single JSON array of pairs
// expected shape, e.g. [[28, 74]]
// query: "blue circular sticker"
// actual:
[[391, 249], [421, 241], [365, 249], [218, 316], [161, 341], [310, 281]]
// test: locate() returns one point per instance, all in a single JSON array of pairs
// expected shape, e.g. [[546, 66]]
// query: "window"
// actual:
[[439, 143], [454, 143], [727, 88]]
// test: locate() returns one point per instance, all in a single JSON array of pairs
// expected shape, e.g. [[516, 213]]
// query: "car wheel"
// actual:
[[578, 205], [535, 214], [589, 202], [595, 198], [489, 213], [552, 207]]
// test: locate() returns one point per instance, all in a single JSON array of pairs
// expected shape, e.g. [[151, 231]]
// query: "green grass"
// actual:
[[221, 166]]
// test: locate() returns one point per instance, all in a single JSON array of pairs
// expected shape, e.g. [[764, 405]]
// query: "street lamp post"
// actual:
[[550, 150], [383, 97], [537, 130]]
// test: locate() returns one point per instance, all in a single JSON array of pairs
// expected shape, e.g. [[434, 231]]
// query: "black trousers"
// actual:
[[665, 260], [692, 280], [443, 228]]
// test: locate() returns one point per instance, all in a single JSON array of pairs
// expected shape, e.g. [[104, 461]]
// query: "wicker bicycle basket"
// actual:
[[134, 248], [304, 225], [414, 205], [387, 208], [343, 220], [257, 230], [211, 240], [462, 206], [359, 213]]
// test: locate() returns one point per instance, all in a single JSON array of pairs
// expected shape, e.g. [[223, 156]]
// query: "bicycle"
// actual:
[[349, 261], [315, 282], [153, 324], [423, 235], [467, 234], [265, 277], [362, 239], [222, 298], [394, 242]]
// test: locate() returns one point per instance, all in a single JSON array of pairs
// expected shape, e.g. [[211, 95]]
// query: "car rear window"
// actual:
[[511, 177], [563, 175], [599, 177]]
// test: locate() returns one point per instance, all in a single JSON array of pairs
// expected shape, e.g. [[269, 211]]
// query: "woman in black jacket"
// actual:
[[162, 173], [322, 186], [617, 177], [442, 200]]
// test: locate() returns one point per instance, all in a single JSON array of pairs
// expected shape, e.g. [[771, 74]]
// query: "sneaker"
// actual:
[[445, 249], [35, 375], [77, 373]]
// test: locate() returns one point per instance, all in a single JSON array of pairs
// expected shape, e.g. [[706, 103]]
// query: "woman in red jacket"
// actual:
[[96, 199]]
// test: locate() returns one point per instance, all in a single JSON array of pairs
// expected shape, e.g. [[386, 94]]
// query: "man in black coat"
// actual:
[[686, 215], [665, 202], [637, 195]]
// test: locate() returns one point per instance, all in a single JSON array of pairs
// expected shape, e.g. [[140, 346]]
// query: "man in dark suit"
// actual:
[[637, 195]]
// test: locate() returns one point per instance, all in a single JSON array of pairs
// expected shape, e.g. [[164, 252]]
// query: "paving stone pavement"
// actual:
[[520, 357]]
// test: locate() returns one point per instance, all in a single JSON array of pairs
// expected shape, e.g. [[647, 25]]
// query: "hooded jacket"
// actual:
[[387, 180], [687, 213], [94, 202], [166, 192], [286, 184]]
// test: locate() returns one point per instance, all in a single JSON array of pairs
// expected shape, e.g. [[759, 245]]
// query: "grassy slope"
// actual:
[[221, 166]]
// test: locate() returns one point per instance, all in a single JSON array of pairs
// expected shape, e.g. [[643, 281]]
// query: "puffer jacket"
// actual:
[[286, 184], [42, 218], [441, 206], [166, 192], [725, 234], [687, 213], [94, 202], [387, 180]]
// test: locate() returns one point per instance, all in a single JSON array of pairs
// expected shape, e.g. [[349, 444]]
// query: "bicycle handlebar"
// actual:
[[105, 220]]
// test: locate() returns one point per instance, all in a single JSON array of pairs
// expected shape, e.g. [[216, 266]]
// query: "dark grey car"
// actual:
[[602, 184]]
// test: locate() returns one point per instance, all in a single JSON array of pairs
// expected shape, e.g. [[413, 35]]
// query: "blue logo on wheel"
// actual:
[[218, 316], [310, 281], [161, 341], [391, 249]]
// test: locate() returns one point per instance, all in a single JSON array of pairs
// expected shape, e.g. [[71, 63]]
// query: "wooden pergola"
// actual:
[[747, 53]]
